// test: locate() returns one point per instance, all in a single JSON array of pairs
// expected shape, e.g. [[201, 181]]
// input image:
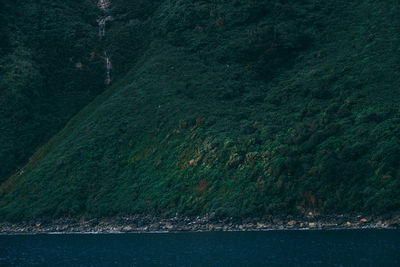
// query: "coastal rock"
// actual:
[[182, 224], [260, 225], [250, 226], [127, 228]]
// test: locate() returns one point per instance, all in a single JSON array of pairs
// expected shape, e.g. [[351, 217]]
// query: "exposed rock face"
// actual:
[[104, 4], [108, 68], [102, 25]]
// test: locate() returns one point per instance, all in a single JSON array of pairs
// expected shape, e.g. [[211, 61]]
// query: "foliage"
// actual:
[[242, 108], [41, 87]]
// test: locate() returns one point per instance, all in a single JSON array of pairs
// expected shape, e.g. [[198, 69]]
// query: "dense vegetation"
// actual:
[[243, 108], [47, 73]]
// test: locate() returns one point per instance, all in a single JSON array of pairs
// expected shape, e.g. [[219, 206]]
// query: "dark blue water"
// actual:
[[273, 248]]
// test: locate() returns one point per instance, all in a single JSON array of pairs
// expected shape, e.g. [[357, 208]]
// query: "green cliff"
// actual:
[[244, 108]]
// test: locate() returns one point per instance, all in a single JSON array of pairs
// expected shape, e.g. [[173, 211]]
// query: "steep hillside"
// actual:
[[47, 72], [243, 108]]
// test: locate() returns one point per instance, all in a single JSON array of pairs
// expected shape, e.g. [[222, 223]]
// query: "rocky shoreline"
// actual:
[[143, 224]]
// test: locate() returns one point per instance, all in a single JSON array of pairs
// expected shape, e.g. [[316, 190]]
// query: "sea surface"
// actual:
[[270, 248]]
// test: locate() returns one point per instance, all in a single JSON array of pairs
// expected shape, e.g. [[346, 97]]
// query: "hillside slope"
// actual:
[[47, 73], [243, 108]]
